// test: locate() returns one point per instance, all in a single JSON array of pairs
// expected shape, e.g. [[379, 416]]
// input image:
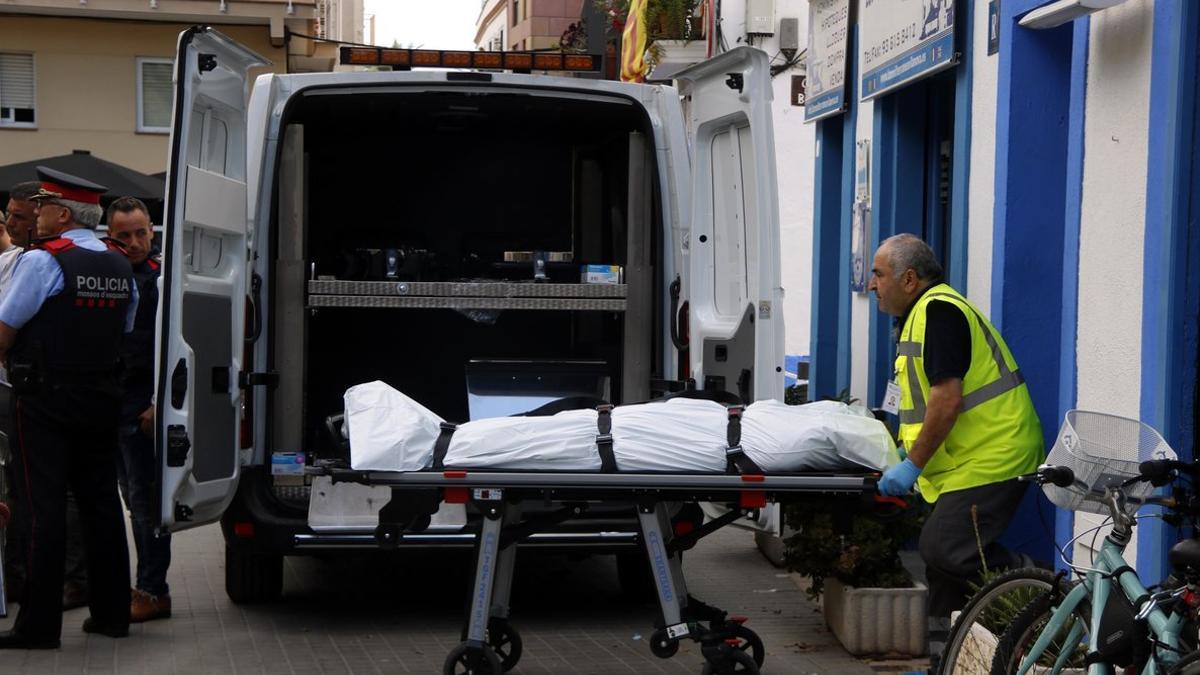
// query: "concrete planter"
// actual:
[[876, 620]]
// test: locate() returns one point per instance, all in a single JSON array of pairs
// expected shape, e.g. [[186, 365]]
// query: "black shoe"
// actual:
[[11, 639], [90, 625]]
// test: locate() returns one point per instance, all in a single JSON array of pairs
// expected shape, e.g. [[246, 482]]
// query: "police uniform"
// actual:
[[70, 301]]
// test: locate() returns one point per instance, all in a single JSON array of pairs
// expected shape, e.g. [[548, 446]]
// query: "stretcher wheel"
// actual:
[[748, 642], [732, 662], [662, 646], [467, 660], [505, 641]]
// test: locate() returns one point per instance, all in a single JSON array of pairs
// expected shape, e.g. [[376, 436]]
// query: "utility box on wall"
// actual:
[[760, 17]]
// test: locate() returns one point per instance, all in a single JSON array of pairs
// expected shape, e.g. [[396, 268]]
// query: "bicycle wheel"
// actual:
[[1029, 625], [972, 640], [1188, 665]]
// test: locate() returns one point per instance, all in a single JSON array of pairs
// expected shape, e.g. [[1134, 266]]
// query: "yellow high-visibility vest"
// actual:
[[997, 435]]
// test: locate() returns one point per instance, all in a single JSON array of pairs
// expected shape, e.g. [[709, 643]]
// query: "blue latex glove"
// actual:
[[898, 480]]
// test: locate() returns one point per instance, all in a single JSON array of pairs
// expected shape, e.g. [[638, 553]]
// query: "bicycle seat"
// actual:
[[1185, 554]]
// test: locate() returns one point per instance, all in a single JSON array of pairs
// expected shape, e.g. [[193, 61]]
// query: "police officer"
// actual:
[[61, 324], [967, 424]]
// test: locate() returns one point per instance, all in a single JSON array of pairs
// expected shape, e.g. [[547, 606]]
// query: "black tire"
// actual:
[[737, 663], [749, 643], [662, 646], [1025, 629], [505, 641], [633, 573], [991, 609], [252, 577], [461, 661]]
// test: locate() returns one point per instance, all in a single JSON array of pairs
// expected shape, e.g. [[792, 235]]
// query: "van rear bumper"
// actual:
[[258, 522]]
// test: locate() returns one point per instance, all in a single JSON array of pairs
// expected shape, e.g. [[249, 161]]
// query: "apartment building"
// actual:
[[524, 24], [96, 75]]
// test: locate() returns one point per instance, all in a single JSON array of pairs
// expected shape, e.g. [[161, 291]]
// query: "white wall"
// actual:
[[794, 164], [1112, 227], [981, 199]]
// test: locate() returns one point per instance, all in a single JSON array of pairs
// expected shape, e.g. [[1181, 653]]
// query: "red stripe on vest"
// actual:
[[56, 246]]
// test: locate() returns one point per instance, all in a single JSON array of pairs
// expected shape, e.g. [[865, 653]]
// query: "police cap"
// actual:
[[59, 185]]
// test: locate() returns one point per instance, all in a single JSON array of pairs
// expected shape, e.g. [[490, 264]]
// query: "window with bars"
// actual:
[[17, 90], [154, 95]]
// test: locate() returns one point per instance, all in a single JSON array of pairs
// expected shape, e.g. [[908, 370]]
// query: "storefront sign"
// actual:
[[798, 96], [993, 27], [903, 40], [860, 219], [828, 29]]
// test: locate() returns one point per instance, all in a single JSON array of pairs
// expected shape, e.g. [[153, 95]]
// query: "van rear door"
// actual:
[[203, 285], [736, 326], [734, 290]]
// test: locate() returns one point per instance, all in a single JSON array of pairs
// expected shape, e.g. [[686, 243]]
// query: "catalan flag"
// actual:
[[633, 44]]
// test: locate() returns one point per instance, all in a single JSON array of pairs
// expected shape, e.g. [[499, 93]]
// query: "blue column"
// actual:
[[1029, 222], [829, 370], [1171, 281]]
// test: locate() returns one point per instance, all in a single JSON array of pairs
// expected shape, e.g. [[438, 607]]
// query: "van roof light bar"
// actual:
[[403, 59]]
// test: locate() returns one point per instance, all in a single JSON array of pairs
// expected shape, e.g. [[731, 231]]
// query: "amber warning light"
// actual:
[[403, 59]]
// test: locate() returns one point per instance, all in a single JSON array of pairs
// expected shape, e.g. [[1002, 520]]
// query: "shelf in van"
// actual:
[[454, 289], [449, 302]]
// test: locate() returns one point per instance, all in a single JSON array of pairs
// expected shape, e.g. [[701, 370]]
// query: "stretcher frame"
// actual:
[[726, 644]]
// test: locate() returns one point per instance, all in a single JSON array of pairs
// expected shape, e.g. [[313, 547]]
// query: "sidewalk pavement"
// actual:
[[401, 614]]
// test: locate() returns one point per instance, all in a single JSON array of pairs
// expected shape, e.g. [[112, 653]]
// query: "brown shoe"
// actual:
[[146, 607]]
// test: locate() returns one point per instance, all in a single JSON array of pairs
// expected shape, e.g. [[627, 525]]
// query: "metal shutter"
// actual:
[[16, 81], [156, 94]]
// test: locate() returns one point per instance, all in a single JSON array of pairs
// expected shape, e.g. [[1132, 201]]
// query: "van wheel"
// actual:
[[633, 573], [252, 577]]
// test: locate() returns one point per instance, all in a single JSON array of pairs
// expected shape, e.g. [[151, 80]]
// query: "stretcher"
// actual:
[[490, 645]]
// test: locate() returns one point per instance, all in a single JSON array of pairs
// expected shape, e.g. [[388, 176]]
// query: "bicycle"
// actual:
[[1108, 618]]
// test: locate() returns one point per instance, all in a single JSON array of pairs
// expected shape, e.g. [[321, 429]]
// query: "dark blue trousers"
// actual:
[[137, 474]]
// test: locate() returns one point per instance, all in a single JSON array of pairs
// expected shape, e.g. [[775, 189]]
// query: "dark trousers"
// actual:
[[950, 548], [65, 442], [137, 472], [76, 568]]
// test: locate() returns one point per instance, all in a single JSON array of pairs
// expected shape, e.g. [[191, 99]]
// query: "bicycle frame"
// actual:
[[1097, 586]]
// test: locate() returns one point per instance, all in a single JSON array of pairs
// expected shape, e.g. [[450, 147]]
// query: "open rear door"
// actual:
[[736, 326], [734, 290], [203, 281]]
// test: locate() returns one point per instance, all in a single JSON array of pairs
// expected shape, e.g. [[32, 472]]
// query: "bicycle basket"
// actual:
[[1103, 451]]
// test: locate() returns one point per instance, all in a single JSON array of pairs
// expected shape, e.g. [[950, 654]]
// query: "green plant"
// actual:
[[867, 556]]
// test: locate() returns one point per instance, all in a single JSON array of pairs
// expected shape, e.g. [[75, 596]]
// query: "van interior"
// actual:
[[455, 187]]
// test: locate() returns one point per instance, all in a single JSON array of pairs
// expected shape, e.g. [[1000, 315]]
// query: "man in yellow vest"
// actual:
[[967, 423]]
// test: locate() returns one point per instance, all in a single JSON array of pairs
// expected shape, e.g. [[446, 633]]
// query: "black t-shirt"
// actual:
[[947, 351]]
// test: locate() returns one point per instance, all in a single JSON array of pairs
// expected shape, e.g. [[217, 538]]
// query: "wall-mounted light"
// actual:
[[1057, 13], [224, 8], [291, 9], [153, 4]]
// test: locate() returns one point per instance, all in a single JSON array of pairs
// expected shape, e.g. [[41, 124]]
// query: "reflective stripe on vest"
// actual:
[[1009, 379]]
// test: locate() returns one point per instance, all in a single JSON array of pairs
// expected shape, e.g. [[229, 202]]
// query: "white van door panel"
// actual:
[[203, 285], [734, 290]]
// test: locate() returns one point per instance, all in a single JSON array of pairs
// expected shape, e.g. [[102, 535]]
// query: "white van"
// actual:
[[345, 227]]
